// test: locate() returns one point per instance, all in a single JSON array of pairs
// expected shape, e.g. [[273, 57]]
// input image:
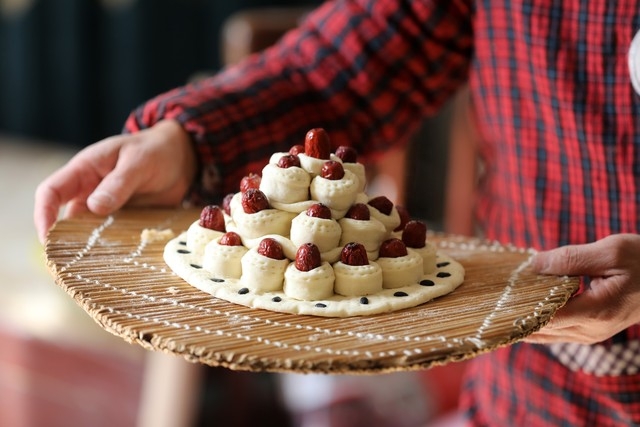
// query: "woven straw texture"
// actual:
[[122, 282]]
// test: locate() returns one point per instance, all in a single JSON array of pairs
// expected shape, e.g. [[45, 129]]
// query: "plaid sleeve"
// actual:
[[367, 71]]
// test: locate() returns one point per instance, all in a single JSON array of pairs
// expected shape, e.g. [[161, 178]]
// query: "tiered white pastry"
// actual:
[[210, 226], [384, 211], [285, 181], [414, 235], [308, 229], [256, 218], [263, 266], [335, 187], [316, 226], [359, 226], [349, 158], [355, 274], [400, 266], [309, 278], [223, 255]]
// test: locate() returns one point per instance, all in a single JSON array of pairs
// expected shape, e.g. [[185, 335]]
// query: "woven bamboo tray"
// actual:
[[122, 282]]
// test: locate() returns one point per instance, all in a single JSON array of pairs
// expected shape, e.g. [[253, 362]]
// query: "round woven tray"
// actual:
[[122, 282]]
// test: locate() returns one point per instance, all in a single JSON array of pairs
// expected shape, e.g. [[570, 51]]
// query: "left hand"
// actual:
[[153, 167], [611, 302]]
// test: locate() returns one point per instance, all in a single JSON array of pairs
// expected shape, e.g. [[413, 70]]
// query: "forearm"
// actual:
[[363, 70]]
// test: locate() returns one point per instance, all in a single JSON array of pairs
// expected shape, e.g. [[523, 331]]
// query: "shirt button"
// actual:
[[634, 62]]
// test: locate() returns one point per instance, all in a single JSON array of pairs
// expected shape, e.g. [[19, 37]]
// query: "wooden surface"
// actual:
[[123, 283]]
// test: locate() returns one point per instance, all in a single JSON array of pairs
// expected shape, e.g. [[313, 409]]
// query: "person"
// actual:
[[559, 136]]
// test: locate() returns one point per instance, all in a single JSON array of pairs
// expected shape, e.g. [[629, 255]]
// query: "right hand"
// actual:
[[608, 304], [154, 167]]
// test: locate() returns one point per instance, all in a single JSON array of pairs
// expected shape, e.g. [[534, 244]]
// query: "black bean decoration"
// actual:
[[183, 251], [443, 274], [400, 294], [276, 299], [427, 282], [442, 264], [243, 291], [321, 305], [196, 266], [216, 280], [182, 243], [364, 300]]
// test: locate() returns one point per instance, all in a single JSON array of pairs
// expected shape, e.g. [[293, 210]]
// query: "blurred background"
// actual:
[[72, 70], [70, 73]]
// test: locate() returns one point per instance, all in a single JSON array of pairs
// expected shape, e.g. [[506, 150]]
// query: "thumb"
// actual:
[[116, 189], [572, 260]]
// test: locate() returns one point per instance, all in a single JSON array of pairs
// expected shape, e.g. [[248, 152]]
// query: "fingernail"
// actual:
[[100, 200], [539, 263]]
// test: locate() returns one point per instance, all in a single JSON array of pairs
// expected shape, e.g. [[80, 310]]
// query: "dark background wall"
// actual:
[[72, 70]]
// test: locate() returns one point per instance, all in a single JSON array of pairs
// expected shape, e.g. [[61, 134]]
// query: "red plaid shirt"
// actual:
[[557, 115]]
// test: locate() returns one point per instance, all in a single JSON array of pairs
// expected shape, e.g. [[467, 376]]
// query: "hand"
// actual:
[[153, 167], [609, 304]]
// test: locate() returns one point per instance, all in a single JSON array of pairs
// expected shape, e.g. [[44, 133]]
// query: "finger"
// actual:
[[574, 260], [542, 338], [117, 187], [74, 181], [581, 320], [556, 331], [75, 207], [576, 334], [45, 212], [51, 195]]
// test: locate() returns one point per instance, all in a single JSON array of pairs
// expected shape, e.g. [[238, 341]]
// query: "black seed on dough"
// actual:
[[183, 251], [215, 279], [442, 264], [243, 291], [182, 242], [400, 294], [364, 300], [195, 266], [276, 299], [443, 274], [321, 305], [427, 282]]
